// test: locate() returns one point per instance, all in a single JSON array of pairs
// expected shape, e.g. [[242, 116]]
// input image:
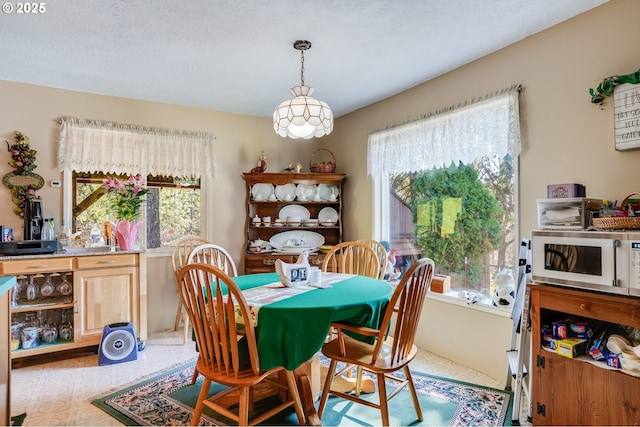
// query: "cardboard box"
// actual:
[[560, 329], [571, 347], [598, 348], [581, 330], [441, 284], [559, 191]]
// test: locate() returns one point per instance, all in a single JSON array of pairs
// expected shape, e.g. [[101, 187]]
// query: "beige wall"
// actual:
[[565, 138]]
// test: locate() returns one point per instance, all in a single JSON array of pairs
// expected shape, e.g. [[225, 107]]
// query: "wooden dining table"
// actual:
[[292, 324]]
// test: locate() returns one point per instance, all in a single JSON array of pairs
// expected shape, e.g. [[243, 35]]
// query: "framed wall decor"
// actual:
[[626, 116]]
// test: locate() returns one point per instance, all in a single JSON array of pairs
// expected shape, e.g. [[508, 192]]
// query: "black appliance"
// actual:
[[28, 247], [33, 220]]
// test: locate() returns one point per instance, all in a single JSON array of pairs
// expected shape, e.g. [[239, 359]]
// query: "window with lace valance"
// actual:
[[445, 187], [175, 163]]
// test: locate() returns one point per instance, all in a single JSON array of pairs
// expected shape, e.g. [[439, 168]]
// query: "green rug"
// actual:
[[168, 399]]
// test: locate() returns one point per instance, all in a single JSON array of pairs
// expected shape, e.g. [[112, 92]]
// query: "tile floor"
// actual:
[[59, 392]]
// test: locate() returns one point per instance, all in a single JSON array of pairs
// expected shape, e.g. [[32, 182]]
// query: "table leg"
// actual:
[[309, 387], [308, 406]]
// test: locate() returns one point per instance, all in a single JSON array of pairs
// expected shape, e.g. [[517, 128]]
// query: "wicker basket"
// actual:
[[618, 222], [322, 167]]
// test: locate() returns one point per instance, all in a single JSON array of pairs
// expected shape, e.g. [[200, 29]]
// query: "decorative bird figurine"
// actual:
[[303, 258]]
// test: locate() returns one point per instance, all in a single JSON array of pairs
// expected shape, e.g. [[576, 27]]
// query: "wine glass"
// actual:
[[65, 287], [15, 291], [47, 287], [32, 289]]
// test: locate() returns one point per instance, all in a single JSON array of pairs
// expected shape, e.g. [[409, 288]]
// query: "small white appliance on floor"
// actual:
[[118, 344]]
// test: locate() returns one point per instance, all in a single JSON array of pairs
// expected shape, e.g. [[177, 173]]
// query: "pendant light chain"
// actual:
[[302, 66]]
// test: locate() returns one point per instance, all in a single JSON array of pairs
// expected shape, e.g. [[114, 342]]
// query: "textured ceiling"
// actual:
[[238, 56]]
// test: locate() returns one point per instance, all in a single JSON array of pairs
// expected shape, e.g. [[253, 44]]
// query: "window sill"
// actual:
[[485, 305]]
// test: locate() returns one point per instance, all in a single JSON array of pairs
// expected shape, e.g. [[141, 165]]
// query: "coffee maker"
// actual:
[[33, 220]]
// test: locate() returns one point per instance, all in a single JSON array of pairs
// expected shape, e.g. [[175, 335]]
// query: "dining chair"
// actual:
[[228, 352], [393, 348], [179, 258], [352, 258], [381, 252], [210, 253]]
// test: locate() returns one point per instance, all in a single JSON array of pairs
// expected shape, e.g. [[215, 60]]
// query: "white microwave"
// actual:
[[605, 261]]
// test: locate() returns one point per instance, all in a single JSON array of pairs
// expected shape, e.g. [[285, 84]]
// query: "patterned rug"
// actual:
[[168, 399]]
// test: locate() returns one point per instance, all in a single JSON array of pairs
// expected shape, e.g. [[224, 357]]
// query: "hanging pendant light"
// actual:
[[302, 116]]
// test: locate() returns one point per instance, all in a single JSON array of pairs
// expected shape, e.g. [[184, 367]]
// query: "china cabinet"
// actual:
[[284, 202], [63, 302], [580, 391]]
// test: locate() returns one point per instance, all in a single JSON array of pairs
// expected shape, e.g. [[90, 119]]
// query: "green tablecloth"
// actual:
[[291, 331]]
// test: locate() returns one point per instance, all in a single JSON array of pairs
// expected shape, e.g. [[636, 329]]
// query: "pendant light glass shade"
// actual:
[[302, 116]]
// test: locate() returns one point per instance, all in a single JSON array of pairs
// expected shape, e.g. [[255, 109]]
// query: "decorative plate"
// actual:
[[326, 190], [294, 210], [296, 241], [327, 216], [261, 191], [286, 192], [305, 192], [31, 180]]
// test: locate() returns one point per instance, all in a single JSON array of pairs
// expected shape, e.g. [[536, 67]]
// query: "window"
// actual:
[[445, 187], [174, 206], [173, 209]]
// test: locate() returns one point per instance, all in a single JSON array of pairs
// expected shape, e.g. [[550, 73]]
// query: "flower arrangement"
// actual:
[[126, 196]]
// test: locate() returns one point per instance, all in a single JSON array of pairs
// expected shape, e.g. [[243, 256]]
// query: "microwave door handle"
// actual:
[[616, 245]]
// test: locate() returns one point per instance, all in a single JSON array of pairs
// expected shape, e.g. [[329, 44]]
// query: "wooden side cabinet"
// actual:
[[569, 391], [100, 290], [106, 290], [274, 194]]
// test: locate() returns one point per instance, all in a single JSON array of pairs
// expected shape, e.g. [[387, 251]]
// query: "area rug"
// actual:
[[168, 399]]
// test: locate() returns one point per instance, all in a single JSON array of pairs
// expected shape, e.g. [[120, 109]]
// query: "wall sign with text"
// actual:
[[626, 120]]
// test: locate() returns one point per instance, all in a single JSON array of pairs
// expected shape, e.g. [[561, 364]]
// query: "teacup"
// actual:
[[333, 197], [272, 197], [266, 221], [288, 197]]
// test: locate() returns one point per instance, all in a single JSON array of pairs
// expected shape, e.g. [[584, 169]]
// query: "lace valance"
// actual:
[[490, 126], [89, 146]]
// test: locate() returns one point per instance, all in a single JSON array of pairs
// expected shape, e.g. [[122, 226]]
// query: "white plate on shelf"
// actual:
[[286, 192], [261, 191], [327, 215], [305, 192], [293, 240], [326, 190], [294, 210]]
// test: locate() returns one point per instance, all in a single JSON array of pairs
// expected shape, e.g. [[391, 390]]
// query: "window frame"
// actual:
[[206, 205]]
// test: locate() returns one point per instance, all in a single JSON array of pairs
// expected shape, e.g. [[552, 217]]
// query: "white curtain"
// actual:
[[89, 146], [490, 126]]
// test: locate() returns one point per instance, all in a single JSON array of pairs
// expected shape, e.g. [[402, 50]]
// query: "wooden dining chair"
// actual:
[[352, 258], [381, 252], [393, 348], [210, 253], [226, 340], [179, 258]]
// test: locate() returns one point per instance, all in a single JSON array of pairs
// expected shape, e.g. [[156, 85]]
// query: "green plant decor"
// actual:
[[605, 88]]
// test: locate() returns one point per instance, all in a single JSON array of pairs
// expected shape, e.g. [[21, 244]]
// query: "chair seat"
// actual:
[[361, 353], [246, 377]]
